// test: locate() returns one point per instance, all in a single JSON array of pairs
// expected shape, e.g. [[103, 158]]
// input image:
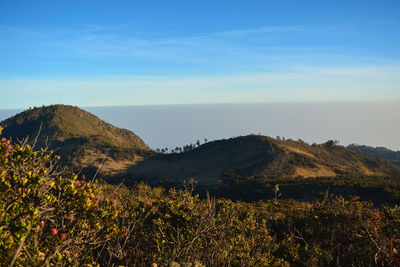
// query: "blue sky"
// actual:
[[107, 53]]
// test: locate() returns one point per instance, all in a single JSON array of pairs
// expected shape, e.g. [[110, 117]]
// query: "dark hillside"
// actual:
[[377, 152]]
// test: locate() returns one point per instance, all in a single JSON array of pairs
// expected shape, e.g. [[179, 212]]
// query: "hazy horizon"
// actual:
[[178, 72], [328, 69], [160, 126], [103, 53]]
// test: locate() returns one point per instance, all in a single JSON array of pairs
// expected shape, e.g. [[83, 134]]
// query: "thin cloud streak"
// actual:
[[257, 49], [123, 46], [108, 42], [276, 29], [307, 84]]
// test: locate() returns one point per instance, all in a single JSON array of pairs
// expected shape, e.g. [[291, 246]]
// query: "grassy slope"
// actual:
[[260, 156], [249, 167], [245, 167], [80, 138]]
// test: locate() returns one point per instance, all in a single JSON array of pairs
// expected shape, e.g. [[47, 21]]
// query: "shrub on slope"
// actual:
[[48, 219]]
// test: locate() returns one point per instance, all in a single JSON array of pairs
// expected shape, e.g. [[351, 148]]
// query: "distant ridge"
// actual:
[[78, 136], [380, 152]]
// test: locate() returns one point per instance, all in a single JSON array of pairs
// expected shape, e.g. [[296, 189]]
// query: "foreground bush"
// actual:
[[49, 219]]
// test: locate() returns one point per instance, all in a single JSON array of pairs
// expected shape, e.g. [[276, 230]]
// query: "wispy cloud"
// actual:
[[119, 42], [173, 47], [305, 84], [276, 29], [260, 64], [236, 50]]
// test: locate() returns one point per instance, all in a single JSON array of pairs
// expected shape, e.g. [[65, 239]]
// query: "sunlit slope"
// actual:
[[256, 155], [80, 138], [246, 167]]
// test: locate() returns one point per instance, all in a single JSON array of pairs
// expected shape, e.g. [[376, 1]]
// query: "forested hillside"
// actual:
[[380, 152]]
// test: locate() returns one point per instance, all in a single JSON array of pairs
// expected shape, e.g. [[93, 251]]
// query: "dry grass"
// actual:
[[321, 171], [87, 140], [299, 151]]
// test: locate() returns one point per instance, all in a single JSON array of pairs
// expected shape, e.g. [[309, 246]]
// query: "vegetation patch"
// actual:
[[47, 218]]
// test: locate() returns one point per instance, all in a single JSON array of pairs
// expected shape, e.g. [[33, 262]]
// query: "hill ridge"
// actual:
[[241, 167], [264, 156], [75, 134], [379, 151]]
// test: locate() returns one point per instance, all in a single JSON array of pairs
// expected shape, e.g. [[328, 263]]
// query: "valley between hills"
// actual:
[[169, 145], [245, 167], [77, 191]]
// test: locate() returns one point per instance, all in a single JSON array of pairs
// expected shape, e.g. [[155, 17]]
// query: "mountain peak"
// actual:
[[75, 134], [61, 122]]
